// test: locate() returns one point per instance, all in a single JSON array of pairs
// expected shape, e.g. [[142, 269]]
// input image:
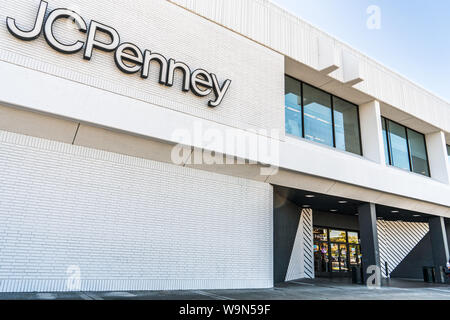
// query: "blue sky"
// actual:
[[414, 38]]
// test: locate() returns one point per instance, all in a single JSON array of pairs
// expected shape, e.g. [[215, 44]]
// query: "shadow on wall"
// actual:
[[420, 256], [286, 216]]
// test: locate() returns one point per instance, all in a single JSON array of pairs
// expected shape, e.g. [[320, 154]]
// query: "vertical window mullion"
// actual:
[[330, 264], [332, 120], [359, 131], [428, 157], [322, 123], [409, 150], [388, 139], [303, 109], [419, 152]]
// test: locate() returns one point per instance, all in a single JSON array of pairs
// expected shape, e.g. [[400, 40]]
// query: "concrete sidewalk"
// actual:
[[317, 289]]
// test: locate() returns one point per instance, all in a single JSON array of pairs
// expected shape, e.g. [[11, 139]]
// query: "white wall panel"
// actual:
[[257, 73], [128, 223]]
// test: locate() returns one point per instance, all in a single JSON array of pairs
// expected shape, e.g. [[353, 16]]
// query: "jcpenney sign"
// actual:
[[128, 57]]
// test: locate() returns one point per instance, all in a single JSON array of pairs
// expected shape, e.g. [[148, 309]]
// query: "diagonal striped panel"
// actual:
[[301, 264], [308, 242], [397, 239]]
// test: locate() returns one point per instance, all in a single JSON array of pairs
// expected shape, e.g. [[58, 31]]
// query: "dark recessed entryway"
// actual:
[[336, 236]]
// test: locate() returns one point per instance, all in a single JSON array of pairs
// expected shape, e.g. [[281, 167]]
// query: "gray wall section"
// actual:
[[369, 238], [336, 221], [439, 240], [411, 266], [285, 225]]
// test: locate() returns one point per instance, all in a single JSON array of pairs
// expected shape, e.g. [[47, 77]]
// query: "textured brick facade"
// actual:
[[128, 223]]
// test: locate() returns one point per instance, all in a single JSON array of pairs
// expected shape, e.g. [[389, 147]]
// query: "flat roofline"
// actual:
[[373, 60]]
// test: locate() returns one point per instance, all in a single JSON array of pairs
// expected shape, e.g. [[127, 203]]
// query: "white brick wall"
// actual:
[[128, 223], [255, 99]]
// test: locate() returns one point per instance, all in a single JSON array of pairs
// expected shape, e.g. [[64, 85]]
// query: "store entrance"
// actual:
[[336, 252]]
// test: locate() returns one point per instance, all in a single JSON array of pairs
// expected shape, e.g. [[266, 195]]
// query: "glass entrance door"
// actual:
[[339, 258], [354, 255], [343, 262], [335, 261], [321, 257], [335, 251]]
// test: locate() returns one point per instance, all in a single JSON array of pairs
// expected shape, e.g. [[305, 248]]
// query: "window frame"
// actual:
[[388, 132], [359, 124], [411, 155], [447, 147], [388, 139], [332, 116]]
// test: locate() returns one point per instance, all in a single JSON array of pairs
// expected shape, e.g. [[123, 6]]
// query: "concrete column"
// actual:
[[438, 157], [285, 224], [372, 132], [447, 227], [369, 237], [439, 242]]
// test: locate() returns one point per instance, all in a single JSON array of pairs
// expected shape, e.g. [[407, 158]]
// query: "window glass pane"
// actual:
[[321, 263], [386, 149], [293, 108], [419, 158], [338, 236], [318, 123], [353, 237], [354, 255], [334, 248], [343, 257], [320, 234], [346, 124], [398, 145]]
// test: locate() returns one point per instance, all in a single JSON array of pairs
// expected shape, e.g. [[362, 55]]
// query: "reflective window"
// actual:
[[398, 145], [346, 124], [418, 150], [317, 117], [405, 148], [293, 108], [338, 236]]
